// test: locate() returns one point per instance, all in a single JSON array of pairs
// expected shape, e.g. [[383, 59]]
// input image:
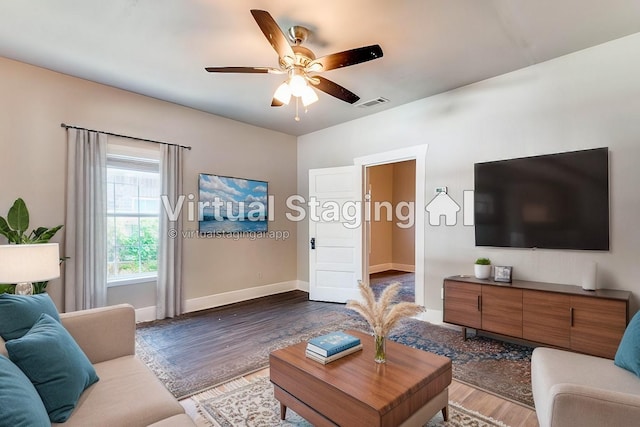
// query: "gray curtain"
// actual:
[[85, 281], [169, 288]]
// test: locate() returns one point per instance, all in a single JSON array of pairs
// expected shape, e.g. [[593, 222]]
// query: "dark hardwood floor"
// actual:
[[196, 340]]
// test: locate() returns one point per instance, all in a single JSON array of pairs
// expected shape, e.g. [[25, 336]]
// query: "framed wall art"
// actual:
[[232, 205]]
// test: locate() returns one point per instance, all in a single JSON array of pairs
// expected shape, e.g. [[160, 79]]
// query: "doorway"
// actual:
[[417, 154], [390, 234]]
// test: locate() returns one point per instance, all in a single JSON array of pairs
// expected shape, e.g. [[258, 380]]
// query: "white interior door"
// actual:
[[335, 233]]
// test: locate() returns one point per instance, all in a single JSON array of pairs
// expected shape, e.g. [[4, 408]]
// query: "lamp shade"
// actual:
[[283, 93], [29, 263]]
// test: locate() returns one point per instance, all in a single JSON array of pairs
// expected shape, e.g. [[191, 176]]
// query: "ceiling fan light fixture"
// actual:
[[309, 96], [283, 93], [297, 83]]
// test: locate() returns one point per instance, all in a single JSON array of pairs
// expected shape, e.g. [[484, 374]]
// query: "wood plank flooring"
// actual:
[[237, 323], [510, 413], [220, 334]]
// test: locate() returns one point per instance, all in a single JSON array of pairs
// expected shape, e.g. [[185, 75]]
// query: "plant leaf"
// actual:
[[46, 235], [5, 230], [38, 231], [39, 287], [18, 216], [6, 288]]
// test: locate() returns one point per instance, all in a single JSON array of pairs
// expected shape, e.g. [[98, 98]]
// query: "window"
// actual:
[[133, 217]]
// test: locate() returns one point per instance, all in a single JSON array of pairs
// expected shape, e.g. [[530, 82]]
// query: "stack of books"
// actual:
[[329, 347]]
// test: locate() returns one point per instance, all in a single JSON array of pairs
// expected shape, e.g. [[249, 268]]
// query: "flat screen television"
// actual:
[[554, 201]]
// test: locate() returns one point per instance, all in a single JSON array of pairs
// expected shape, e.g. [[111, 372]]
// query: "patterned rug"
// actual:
[[494, 366], [251, 403], [379, 281]]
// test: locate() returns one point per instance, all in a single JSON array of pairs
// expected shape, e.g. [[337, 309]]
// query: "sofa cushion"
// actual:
[[18, 313], [128, 394], [20, 405], [628, 354], [54, 363]]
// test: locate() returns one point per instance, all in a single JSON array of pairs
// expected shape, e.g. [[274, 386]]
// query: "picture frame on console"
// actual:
[[502, 273]]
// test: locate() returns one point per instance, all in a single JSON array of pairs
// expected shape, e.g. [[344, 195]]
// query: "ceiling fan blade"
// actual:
[[335, 89], [276, 103], [273, 33], [253, 70], [349, 57]]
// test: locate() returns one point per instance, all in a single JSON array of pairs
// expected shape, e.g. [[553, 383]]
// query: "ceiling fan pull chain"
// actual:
[[297, 118]]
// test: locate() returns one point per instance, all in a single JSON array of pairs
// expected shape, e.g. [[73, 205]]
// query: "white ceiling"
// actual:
[[159, 48]]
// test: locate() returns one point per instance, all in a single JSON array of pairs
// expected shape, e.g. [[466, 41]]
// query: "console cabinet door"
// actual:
[[546, 318], [502, 310], [462, 304], [597, 325]]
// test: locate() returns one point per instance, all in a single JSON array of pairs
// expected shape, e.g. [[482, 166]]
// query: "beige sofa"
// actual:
[[571, 389], [128, 393]]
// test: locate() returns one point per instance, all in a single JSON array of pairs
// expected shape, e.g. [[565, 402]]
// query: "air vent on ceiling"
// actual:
[[372, 102]]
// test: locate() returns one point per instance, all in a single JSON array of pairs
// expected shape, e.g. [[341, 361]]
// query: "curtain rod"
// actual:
[[124, 136]]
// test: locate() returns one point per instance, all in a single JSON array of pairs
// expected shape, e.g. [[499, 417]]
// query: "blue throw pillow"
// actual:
[[20, 405], [628, 354], [18, 313], [55, 364]]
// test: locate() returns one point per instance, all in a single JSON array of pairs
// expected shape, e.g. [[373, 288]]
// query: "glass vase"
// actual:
[[381, 349]]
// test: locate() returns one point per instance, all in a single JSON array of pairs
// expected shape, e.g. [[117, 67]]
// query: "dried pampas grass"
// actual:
[[382, 315]]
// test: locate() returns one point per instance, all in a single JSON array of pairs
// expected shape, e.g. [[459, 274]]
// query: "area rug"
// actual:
[[498, 367], [379, 281], [251, 403], [494, 366]]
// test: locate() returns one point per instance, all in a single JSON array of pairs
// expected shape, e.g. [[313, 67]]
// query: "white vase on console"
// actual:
[[589, 276]]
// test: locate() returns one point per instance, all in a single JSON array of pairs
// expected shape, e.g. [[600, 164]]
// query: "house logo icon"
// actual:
[[442, 205]]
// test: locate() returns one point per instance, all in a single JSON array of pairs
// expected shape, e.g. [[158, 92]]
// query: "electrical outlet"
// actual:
[[441, 293]]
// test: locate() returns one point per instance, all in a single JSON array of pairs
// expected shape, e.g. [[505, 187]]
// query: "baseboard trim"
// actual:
[[407, 268], [379, 268], [217, 300], [432, 316], [147, 314], [303, 286]]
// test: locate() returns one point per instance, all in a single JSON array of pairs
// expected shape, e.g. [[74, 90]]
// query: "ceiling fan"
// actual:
[[301, 64]]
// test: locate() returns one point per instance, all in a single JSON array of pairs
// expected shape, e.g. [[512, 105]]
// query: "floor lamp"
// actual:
[[24, 264]]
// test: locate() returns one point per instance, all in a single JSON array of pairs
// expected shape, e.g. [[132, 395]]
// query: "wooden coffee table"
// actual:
[[408, 390]]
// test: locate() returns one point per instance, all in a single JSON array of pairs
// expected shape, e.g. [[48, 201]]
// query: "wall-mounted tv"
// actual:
[[554, 201]]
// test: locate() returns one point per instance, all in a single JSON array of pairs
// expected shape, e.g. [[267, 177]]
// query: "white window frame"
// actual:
[[129, 156]]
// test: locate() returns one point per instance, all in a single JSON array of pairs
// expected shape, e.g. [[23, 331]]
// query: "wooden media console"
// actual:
[[562, 316]]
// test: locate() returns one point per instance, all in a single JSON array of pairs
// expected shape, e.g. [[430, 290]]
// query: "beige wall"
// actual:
[[381, 238], [404, 190], [584, 100], [35, 101], [391, 246]]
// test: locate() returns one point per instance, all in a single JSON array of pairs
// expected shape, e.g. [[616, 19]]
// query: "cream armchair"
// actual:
[[576, 390]]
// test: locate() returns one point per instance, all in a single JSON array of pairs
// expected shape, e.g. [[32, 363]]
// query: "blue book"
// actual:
[[330, 344]]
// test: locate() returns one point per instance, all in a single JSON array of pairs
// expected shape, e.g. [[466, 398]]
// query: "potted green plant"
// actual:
[[482, 268], [14, 228]]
